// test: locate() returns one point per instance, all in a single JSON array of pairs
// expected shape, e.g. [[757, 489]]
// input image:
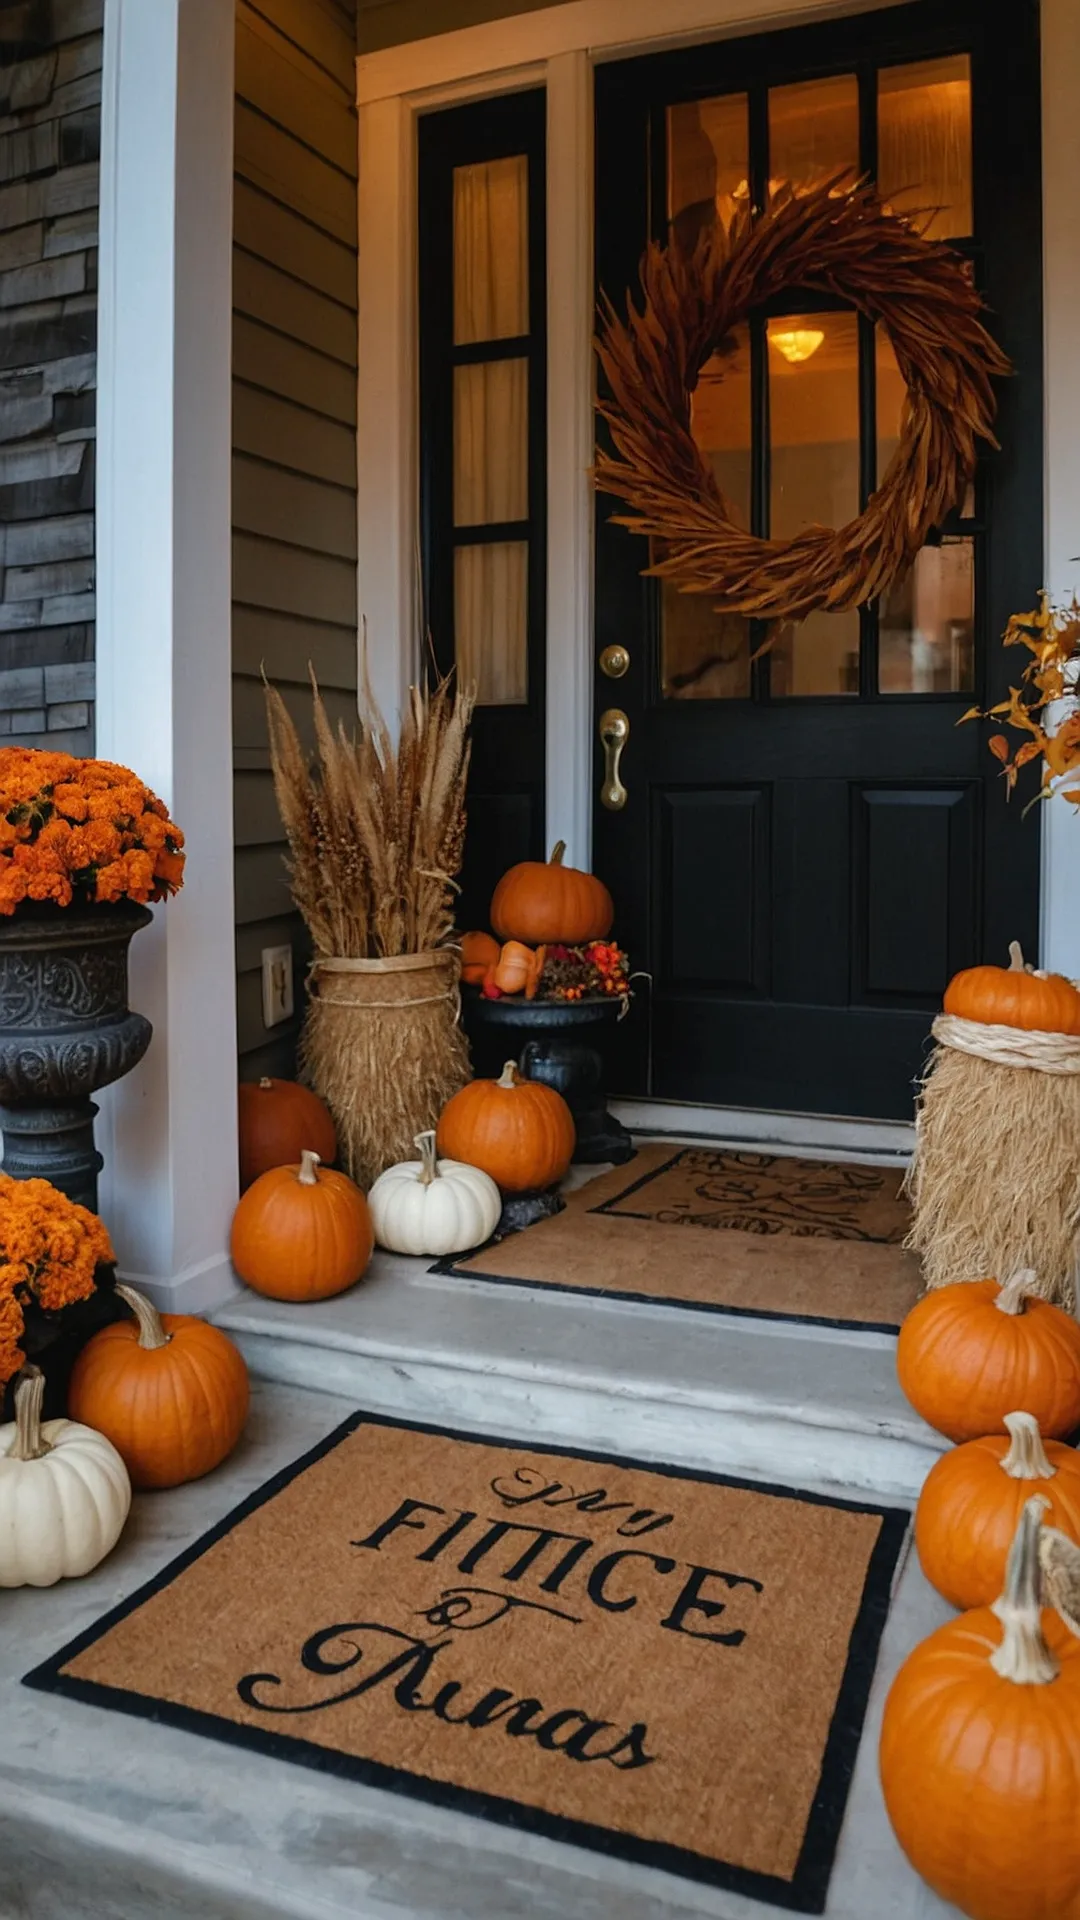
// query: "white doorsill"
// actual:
[[890, 1142]]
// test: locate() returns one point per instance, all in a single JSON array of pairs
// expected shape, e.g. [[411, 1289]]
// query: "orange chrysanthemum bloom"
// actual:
[[81, 831], [50, 1251]]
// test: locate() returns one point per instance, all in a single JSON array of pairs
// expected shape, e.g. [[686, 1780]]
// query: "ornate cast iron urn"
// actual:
[[65, 1030]]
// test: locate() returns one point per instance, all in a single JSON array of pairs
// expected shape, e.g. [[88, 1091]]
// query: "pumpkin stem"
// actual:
[[1016, 957], [509, 1076], [557, 852], [1023, 1656], [1026, 1458], [308, 1163], [429, 1169], [29, 1395], [1015, 1293], [266, 1084], [151, 1332]]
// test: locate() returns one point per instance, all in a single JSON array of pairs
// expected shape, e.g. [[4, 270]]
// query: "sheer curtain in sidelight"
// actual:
[[491, 427]]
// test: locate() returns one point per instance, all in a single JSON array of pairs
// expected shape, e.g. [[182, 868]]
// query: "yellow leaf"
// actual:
[[998, 746]]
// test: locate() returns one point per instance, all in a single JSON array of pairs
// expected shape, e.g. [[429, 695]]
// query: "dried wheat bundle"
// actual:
[[995, 1180], [837, 241], [376, 835]]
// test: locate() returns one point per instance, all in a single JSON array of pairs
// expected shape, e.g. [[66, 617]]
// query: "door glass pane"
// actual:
[[491, 250], [706, 655], [490, 602], [924, 142], [891, 393], [926, 638], [708, 163], [817, 655], [813, 364], [814, 132], [491, 442]]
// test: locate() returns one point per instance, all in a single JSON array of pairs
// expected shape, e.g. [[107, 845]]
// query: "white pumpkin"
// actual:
[[64, 1494], [433, 1206]]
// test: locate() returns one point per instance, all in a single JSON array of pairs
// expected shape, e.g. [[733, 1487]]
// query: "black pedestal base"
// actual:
[[525, 1209], [54, 1143]]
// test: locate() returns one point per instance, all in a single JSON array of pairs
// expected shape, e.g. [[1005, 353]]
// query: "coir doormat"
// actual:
[[664, 1665], [751, 1233]]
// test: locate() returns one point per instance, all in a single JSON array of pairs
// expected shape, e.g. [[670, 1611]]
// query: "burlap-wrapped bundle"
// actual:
[[995, 1179], [384, 1047]]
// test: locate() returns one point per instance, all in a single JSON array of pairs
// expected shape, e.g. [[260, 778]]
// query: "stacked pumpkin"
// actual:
[[980, 1754], [301, 1231], [536, 904]]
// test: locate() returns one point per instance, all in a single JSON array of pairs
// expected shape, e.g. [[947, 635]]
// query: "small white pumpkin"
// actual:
[[433, 1206], [64, 1494]]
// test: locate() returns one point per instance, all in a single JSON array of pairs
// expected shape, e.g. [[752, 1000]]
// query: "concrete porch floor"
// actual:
[[103, 1817]]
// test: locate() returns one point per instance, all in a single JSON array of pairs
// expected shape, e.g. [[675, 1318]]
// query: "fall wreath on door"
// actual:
[[844, 243]]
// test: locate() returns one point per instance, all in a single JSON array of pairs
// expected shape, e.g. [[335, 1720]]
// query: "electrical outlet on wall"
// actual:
[[277, 985]]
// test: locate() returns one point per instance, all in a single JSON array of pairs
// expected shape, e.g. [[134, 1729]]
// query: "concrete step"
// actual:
[[106, 1817], [776, 1400]]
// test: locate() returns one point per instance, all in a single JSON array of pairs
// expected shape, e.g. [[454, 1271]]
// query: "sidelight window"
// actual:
[[800, 413], [482, 301]]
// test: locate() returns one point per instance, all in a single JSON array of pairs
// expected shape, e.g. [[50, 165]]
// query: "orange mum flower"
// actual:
[[50, 1251], [82, 831]]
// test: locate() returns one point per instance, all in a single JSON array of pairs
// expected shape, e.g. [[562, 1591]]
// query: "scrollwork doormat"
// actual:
[[668, 1666], [751, 1233]]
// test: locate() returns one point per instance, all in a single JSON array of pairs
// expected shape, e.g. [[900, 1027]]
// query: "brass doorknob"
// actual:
[[614, 661], [614, 734]]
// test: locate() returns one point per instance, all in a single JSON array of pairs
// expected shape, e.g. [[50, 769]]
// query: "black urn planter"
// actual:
[[65, 1030], [560, 1042]]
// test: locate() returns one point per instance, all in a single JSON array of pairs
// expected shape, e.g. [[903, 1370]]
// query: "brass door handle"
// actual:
[[614, 734]]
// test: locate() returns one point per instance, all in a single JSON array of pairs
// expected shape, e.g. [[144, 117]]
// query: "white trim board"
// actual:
[[891, 1142], [603, 29]]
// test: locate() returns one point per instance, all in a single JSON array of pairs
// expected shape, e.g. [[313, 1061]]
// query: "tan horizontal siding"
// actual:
[[261, 225], [264, 358], [280, 301], [281, 646], [294, 444]]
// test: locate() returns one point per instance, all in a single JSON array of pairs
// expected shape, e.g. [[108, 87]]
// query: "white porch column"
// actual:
[[1061, 294], [168, 1131]]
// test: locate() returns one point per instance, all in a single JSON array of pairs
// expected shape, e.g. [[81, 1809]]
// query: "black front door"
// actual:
[[810, 845]]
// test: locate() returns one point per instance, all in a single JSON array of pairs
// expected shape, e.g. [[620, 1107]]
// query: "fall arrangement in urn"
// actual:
[[81, 832], [50, 1251]]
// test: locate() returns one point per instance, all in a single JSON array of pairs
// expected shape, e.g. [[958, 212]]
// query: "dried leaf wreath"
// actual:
[[832, 240]]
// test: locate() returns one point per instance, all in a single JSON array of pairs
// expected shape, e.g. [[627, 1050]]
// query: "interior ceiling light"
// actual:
[[799, 344]]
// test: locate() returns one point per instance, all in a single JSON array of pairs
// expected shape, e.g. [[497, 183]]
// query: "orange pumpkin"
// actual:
[[980, 1753], [301, 1233], [518, 969], [971, 1352], [971, 1502], [169, 1390], [278, 1119], [478, 952], [518, 1131], [1015, 996], [540, 903]]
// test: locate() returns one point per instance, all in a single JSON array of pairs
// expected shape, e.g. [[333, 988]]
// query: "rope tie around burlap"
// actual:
[[1009, 1046]]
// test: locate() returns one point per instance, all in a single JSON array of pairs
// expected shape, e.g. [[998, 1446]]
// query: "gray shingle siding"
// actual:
[[50, 124]]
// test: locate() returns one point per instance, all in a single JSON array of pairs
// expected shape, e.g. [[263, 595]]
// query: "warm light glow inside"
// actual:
[[797, 345]]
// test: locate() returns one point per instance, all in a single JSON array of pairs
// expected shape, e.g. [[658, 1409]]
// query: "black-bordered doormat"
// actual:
[[665, 1665], [725, 1232]]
